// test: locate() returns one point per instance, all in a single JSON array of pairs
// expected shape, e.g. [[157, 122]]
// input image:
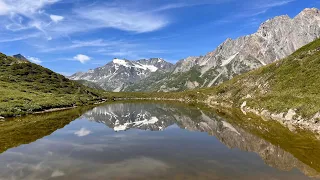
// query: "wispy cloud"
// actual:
[[137, 17], [266, 4], [34, 60], [123, 19], [252, 10], [25, 15], [20, 37], [189, 3], [25, 7], [89, 43]]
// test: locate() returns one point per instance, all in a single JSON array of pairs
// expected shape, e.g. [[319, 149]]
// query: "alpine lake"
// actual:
[[154, 140]]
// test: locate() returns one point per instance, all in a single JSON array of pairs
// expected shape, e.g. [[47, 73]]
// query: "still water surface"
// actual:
[[143, 141]]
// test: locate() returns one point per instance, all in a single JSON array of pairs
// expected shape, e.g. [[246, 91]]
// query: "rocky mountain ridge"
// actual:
[[119, 73], [275, 39]]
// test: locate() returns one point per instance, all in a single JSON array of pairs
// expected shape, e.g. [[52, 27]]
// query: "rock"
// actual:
[[278, 117], [243, 105], [248, 96], [291, 113]]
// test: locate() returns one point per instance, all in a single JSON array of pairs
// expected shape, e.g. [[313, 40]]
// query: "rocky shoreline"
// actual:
[[289, 119]]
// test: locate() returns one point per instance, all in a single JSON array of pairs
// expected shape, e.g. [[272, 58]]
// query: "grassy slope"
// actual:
[[26, 87], [89, 84], [293, 82]]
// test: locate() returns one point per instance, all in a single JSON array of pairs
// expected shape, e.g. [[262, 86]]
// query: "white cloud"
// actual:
[[25, 7], [89, 43], [24, 15], [34, 60], [19, 38], [271, 3], [56, 18], [122, 18], [82, 58], [28, 15], [4, 9], [80, 44], [82, 132]]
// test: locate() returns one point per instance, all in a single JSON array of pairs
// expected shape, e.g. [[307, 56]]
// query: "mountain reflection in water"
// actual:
[[147, 141]]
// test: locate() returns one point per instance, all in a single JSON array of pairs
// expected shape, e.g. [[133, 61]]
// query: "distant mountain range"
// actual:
[[119, 74], [275, 39]]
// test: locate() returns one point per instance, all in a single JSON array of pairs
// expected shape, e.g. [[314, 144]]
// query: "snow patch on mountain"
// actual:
[[120, 62], [227, 61], [127, 125]]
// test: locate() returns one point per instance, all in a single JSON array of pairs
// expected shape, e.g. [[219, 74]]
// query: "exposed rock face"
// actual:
[[185, 65], [118, 74], [275, 39]]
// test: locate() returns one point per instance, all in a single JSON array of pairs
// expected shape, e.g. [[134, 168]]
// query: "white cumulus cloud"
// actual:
[[82, 132], [82, 58]]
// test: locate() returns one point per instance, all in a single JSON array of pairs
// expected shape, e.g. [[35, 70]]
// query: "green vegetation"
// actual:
[[291, 83], [150, 83], [89, 84], [26, 87]]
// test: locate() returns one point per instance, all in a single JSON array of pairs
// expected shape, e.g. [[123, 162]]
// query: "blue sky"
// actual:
[[76, 35]]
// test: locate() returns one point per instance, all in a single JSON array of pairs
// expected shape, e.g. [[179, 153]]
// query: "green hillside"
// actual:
[[291, 83], [89, 84], [26, 87]]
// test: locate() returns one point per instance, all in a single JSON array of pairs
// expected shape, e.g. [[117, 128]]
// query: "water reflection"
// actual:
[[111, 142]]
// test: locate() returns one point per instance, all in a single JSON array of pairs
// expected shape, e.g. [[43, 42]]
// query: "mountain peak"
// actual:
[[20, 57], [309, 12]]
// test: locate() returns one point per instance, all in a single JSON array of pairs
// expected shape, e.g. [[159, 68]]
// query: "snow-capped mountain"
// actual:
[[119, 73], [275, 39]]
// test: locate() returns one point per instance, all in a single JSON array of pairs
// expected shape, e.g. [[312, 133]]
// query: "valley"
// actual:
[[84, 100]]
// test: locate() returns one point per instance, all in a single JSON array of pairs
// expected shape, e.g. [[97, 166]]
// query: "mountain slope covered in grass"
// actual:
[[26, 87], [291, 83]]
